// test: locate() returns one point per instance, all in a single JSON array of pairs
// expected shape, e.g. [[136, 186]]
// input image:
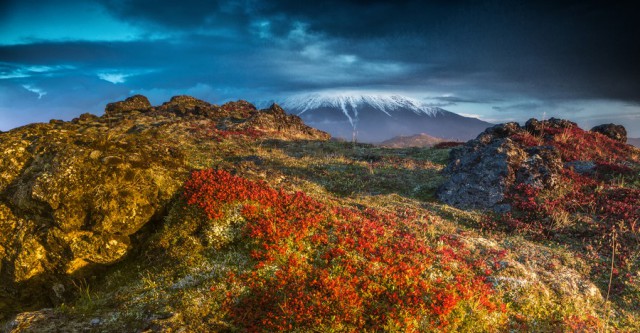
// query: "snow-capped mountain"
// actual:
[[377, 117]]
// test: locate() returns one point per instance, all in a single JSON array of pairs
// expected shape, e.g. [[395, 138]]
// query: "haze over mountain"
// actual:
[[374, 117]]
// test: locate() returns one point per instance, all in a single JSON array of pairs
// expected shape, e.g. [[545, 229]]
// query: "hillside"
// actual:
[[196, 217]]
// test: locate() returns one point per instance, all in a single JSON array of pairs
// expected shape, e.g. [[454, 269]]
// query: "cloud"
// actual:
[[26, 22], [527, 106], [519, 58], [17, 71], [114, 78], [35, 90]]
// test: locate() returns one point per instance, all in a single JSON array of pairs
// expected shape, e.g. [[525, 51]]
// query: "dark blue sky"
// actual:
[[497, 60]]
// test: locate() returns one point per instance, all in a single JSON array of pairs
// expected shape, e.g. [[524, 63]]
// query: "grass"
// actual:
[[179, 277]]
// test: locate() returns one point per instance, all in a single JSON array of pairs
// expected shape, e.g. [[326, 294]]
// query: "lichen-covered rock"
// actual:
[[275, 121], [133, 103], [63, 213], [86, 118], [616, 132], [186, 105]]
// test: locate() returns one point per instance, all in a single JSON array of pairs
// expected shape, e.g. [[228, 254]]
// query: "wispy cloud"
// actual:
[[35, 90], [17, 71]]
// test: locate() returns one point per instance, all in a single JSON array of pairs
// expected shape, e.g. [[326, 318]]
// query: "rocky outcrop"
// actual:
[[186, 105], [74, 194], [484, 169], [134, 103], [70, 199], [615, 132], [275, 121]]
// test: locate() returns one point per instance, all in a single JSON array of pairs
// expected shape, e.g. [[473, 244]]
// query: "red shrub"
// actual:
[[339, 268], [599, 205]]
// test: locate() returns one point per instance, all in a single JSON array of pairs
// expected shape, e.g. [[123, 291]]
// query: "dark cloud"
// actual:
[[482, 53], [560, 49]]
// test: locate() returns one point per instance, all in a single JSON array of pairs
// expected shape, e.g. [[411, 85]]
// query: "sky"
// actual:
[[496, 60]]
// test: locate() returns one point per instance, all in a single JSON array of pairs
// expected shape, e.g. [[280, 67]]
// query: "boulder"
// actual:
[[184, 105], [278, 124], [481, 173], [134, 103], [615, 132], [85, 118], [484, 169], [65, 210]]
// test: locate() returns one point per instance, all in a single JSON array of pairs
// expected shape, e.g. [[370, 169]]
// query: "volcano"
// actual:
[[373, 118]]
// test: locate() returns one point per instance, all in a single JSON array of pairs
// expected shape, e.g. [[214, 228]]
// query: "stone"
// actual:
[[133, 103], [541, 169], [85, 118], [615, 132], [481, 173], [184, 105], [484, 169], [582, 167]]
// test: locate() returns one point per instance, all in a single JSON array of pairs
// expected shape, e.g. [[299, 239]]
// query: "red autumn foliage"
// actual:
[[340, 268], [598, 203]]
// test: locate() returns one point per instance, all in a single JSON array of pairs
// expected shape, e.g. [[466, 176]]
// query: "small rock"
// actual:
[[112, 160], [94, 155], [582, 167]]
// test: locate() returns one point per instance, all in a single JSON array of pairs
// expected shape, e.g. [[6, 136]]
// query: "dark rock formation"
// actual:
[[536, 127], [616, 132], [541, 168], [483, 169], [582, 167], [506, 155]]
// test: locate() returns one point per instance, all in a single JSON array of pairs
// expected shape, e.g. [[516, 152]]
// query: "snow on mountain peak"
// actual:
[[351, 102]]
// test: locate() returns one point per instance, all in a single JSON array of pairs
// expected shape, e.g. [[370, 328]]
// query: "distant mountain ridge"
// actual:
[[370, 117], [418, 140]]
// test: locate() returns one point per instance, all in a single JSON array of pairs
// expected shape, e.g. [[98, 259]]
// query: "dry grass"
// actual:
[[167, 285]]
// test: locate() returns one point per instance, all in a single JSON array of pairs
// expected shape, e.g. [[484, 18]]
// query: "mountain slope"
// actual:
[[377, 117]]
